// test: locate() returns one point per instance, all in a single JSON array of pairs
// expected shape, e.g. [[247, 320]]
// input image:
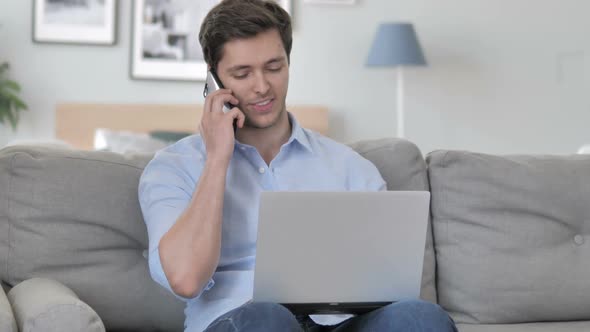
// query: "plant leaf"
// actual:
[[13, 98], [20, 105], [10, 103], [4, 108], [11, 118], [2, 113], [10, 85], [4, 67]]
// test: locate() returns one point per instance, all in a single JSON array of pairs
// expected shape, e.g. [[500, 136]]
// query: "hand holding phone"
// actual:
[[213, 83], [218, 115]]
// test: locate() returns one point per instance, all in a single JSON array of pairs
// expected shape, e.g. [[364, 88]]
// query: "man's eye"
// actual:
[[240, 76], [275, 68]]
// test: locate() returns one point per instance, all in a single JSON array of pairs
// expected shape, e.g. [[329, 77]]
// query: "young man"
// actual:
[[200, 196]]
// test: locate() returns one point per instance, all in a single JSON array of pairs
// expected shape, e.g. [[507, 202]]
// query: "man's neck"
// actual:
[[267, 141]]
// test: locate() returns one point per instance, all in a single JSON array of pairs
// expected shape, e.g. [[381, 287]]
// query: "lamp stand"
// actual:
[[400, 102]]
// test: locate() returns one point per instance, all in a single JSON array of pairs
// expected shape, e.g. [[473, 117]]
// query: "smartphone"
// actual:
[[212, 83]]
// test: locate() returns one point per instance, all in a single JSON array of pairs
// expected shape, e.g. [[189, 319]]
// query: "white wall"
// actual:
[[504, 76]]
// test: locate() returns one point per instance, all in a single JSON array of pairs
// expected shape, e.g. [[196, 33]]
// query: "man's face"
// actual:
[[257, 71]]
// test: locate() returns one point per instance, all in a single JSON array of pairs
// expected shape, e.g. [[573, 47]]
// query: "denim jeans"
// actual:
[[410, 316]]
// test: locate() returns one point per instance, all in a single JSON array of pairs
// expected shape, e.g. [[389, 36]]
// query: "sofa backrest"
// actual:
[[402, 166], [511, 236], [74, 217]]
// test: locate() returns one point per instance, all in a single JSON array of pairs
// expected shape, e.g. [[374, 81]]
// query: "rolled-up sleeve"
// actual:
[[165, 190]]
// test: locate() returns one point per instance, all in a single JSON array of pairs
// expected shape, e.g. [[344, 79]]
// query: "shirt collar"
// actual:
[[298, 134]]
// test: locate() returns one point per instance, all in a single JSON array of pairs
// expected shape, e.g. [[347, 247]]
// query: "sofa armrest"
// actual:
[[49, 306], [7, 322]]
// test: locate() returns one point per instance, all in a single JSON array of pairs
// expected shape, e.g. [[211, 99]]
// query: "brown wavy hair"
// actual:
[[237, 19]]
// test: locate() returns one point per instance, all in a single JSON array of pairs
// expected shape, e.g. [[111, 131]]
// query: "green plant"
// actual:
[[10, 103]]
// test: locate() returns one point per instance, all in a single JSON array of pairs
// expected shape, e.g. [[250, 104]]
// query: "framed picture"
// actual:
[[91, 22], [165, 39]]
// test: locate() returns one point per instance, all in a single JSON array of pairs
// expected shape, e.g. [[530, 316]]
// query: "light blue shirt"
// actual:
[[307, 162]]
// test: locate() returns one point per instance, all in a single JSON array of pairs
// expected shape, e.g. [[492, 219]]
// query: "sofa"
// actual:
[[508, 245]]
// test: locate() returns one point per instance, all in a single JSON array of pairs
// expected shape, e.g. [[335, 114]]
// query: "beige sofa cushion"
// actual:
[[45, 305], [403, 168], [512, 236], [7, 322], [74, 217]]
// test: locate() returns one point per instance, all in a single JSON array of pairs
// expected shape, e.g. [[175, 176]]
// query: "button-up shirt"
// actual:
[[308, 161]]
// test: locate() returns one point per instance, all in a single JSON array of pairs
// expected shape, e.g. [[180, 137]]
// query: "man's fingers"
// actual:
[[211, 97], [241, 119], [233, 100], [213, 109], [219, 102], [202, 131], [238, 115]]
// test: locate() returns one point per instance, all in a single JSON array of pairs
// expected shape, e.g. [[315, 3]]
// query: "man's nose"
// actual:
[[261, 85]]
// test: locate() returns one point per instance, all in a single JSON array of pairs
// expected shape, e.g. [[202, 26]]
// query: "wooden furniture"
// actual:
[[76, 123]]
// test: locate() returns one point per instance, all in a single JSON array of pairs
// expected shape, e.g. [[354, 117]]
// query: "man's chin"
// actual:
[[254, 124], [265, 121]]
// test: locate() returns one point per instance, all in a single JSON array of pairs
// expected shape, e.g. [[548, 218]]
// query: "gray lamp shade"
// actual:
[[396, 44]]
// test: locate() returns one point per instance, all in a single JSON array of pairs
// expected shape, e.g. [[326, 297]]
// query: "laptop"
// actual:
[[340, 252]]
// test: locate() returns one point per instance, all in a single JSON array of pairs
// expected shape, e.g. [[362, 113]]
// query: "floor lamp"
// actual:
[[396, 45]]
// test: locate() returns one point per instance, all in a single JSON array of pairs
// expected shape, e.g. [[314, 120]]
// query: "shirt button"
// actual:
[[579, 239], [261, 170]]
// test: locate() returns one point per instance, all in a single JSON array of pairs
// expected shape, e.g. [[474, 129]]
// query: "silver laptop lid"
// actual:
[[340, 247]]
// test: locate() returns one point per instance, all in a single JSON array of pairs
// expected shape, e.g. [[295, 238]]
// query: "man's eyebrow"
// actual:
[[238, 67], [271, 61], [275, 60]]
